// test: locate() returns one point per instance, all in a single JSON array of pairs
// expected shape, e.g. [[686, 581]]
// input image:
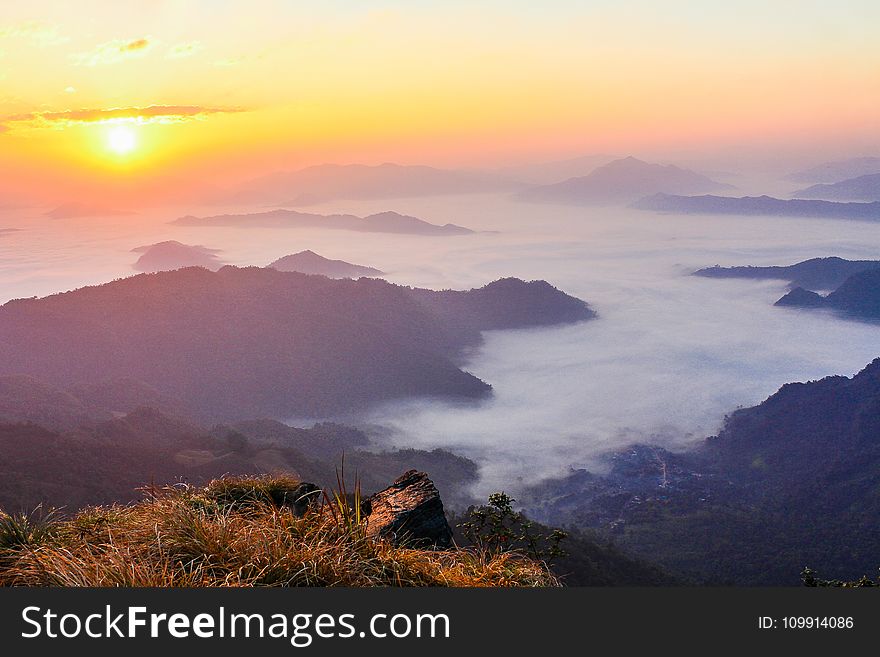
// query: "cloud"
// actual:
[[137, 44], [37, 33], [183, 50], [149, 114], [113, 52], [3, 128]]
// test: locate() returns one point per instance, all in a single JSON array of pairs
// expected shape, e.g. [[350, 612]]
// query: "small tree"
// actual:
[[497, 527]]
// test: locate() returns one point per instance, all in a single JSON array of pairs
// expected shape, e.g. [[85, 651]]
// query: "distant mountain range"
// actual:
[[833, 172], [813, 274], [544, 173], [165, 256], [789, 483], [382, 222], [351, 182], [622, 181], [759, 206], [309, 262], [257, 342], [863, 188], [858, 296]]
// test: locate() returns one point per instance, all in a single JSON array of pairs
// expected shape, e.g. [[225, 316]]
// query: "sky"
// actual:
[[166, 95]]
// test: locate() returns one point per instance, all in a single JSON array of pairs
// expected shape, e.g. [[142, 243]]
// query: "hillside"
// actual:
[[250, 343], [812, 274], [858, 296], [622, 181], [759, 206], [786, 483], [309, 262], [382, 222], [100, 461], [863, 188], [247, 532]]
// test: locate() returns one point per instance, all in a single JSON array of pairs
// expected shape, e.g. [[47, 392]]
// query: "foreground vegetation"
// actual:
[[236, 532]]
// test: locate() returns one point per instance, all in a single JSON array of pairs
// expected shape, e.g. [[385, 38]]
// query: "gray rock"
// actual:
[[409, 512]]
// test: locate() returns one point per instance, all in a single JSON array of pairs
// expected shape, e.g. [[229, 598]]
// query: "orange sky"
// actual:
[[227, 90]]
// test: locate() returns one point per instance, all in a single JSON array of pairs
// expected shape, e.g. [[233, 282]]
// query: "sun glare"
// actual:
[[121, 140]]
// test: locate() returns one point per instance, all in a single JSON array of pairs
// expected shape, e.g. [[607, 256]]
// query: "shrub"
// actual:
[[809, 578], [498, 528]]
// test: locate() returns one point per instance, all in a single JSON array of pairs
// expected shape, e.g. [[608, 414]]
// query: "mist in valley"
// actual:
[[667, 358]]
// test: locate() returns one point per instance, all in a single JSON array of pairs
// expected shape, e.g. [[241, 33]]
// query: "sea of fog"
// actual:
[[668, 357]]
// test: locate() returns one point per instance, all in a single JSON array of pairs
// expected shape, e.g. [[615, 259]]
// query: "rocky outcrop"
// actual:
[[409, 512]]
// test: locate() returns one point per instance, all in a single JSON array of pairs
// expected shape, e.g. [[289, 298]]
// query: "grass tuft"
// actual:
[[240, 531]]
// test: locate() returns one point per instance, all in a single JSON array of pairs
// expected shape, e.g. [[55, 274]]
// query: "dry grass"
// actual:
[[233, 533]]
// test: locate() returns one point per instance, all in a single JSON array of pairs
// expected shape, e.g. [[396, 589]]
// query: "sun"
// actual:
[[121, 140]]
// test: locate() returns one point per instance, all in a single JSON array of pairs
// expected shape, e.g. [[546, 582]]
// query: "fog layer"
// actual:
[[668, 357]]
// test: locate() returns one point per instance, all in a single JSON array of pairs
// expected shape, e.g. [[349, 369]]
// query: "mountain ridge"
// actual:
[[759, 206], [858, 297], [622, 181], [814, 274], [785, 483], [256, 342], [309, 262], [862, 188], [381, 222]]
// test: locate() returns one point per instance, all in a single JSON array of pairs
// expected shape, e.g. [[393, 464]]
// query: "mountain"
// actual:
[[622, 181], [23, 399], [812, 274], [107, 461], [833, 172], [801, 298], [257, 342], [351, 182], [309, 262], [164, 256], [787, 483], [505, 304], [758, 205], [858, 296], [382, 222], [115, 461], [863, 188], [545, 173]]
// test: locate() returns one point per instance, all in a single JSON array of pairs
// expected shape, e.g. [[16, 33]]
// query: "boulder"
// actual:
[[409, 512]]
